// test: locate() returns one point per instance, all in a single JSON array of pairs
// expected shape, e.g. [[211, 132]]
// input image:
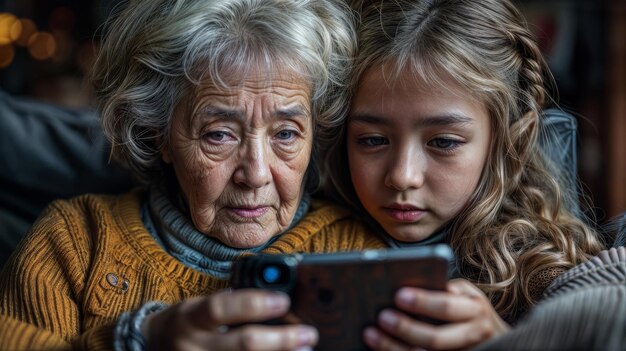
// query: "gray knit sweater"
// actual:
[[583, 309]]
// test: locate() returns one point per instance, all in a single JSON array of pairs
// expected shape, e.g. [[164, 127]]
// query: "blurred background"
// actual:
[[48, 46]]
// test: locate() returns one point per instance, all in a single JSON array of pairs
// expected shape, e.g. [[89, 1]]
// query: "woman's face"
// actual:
[[240, 156], [416, 153]]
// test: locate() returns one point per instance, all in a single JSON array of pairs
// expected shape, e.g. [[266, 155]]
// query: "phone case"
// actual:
[[341, 293]]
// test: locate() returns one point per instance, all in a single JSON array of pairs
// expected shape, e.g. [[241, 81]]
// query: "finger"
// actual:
[[261, 338], [441, 305], [236, 307], [464, 287], [379, 341], [434, 337]]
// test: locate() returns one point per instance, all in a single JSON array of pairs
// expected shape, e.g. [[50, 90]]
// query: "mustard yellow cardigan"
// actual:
[[89, 259]]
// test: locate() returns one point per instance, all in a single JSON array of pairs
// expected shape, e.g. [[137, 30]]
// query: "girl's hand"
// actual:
[[205, 323], [470, 319]]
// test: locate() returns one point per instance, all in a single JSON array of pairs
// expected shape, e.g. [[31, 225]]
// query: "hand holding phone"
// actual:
[[341, 293], [466, 317]]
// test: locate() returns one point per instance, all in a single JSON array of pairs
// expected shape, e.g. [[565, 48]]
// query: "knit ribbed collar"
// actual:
[[175, 232], [439, 237]]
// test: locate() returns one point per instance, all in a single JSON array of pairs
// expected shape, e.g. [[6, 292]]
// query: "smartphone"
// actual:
[[342, 293]]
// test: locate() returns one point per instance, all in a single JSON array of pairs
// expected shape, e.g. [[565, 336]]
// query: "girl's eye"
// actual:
[[444, 143], [286, 134], [372, 141]]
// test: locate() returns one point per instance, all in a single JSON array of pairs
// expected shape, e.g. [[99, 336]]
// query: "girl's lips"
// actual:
[[249, 212], [407, 214]]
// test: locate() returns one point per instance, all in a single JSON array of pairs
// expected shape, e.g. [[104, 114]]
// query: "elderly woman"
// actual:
[[216, 106]]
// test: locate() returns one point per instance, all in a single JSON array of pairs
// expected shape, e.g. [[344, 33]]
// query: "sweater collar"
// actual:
[[441, 236], [177, 235]]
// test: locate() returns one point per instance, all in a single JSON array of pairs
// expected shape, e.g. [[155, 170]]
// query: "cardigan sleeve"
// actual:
[[583, 309], [41, 286], [19, 335]]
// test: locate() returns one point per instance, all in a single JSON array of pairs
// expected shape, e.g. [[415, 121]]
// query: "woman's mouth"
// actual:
[[249, 212]]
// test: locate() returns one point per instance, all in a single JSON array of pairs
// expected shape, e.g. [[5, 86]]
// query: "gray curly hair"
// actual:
[[154, 52]]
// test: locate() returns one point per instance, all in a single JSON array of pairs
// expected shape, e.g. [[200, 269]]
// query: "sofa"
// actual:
[[48, 152]]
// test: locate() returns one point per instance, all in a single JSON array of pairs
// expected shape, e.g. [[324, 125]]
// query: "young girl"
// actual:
[[441, 142]]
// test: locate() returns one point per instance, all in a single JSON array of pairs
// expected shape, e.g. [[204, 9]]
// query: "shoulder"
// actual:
[[68, 230], [327, 227], [328, 217], [92, 215], [538, 283], [84, 205], [607, 268], [324, 212], [588, 297]]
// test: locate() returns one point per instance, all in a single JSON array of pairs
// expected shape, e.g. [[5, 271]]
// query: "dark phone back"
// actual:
[[342, 293], [341, 296]]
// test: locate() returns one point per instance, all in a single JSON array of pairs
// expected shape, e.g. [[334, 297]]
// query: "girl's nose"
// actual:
[[405, 170]]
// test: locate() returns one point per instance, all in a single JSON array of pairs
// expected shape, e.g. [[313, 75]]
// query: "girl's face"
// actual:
[[416, 153]]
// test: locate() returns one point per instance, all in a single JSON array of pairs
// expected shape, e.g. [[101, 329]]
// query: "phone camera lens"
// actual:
[[271, 274]]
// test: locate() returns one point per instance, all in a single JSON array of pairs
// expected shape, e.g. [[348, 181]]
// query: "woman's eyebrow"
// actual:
[[291, 112], [222, 112], [283, 113]]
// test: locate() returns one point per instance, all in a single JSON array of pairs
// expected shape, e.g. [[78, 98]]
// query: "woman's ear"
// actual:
[[165, 155], [164, 148]]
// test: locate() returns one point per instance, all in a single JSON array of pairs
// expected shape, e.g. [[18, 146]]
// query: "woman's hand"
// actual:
[[206, 323], [469, 316]]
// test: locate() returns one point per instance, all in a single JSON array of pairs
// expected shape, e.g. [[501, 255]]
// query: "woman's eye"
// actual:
[[372, 141], [286, 134], [218, 136], [444, 143]]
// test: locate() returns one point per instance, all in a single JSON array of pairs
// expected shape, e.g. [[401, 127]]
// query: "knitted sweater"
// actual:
[[89, 259], [583, 309]]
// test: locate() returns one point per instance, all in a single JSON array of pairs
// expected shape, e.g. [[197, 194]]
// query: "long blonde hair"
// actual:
[[515, 227]]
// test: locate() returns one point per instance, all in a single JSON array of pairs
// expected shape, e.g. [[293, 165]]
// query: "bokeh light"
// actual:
[[10, 28], [42, 45], [7, 53], [28, 29]]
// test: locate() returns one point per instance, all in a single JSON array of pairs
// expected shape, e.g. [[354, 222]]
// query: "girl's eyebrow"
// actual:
[[367, 118], [446, 119], [430, 121]]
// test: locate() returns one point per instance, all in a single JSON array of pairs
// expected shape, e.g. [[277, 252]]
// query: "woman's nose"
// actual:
[[405, 170], [253, 170]]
